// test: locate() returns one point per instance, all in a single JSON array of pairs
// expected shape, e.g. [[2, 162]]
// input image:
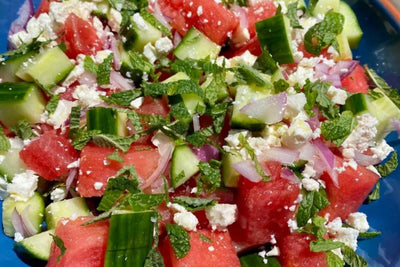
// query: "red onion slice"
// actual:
[[165, 148], [288, 174], [365, 160], [119, 81], [344, 67], [25, 12], [247, 169], [325, 160], [396, 126], [206, 152], [31, 230], [269, 109], [71, 177], [21, 223], [281, 154]]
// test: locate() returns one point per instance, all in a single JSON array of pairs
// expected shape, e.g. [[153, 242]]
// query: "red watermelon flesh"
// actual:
[[96, 168], [356, 81], [85, 245], [264, 209], [49, 155], [295, 252], [207, 248], [354, 187]]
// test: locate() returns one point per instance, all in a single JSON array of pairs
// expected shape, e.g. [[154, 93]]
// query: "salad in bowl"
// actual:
[[190, 133]]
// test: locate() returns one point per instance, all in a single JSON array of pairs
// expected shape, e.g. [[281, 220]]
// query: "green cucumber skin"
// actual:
[[9, 67], [130, 238], [351, 27], [35, 250], [356, 103], [36, 211], [183, 159], [103, 119], [15, 92], [196, 45], [273, 36], [12, 164]]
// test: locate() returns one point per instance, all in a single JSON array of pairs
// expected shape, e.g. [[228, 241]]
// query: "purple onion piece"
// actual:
[[247, 169], [25, 12], [206, 152]]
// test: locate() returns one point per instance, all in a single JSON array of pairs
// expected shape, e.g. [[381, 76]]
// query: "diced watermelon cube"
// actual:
[[356, 81], [264, 208], [49, 155], [354, 187], [207, 248], [95, 167], [85, 244], [295, 252]]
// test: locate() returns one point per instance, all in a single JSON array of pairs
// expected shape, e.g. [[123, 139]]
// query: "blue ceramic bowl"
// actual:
[[380, 49]]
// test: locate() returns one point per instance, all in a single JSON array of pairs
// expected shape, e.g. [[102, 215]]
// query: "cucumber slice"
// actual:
[[357, 103], [244, 94], [351, 28], [73, 207], [130, 238], [196, 45], [138, 33], [184, 164], [20, 101], [344, 47], [323, 6], [301, 4], [274, 35], [35, 249], [107, 120], [229, 175], [12, 163], [35, 205], [47, 69], [9, 67]]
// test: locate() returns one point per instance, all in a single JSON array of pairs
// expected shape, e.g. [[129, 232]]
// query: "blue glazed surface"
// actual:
[[380, 49]]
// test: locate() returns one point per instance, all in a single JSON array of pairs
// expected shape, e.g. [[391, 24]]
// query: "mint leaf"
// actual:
[[4, 142], [23, 130], [51, 106], [389, 166], [110, 140], [89, 65], [324, 245], [81, 138], [194, 203], [74, 121], [200, 138], [316, 94], [339, 128], [210, 174], [184, 87], [142, 202], [104, 69], [191, 67], [248, 75], [266, 63], [154, 259], [392, 93], [368, 235], [352, 258], [324, 33], [375, 194], [218, 113], [333, 260], [180, 240], [280, 86], [313, 201], [205, 238], [60, 244], [123, 98], [292, 14], [115, 156]]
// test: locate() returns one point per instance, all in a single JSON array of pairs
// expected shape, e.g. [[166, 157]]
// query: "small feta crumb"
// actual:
[[87, 96], [176, 207], [18, 237], [149, 51], [382, 149], [61, 114], [137, 103], [348, 236], [140, 22], [310, 184], [58, 194], [187, 220], [358, 220], [114, 20], [164, 45], [273, 252], [338, 96], [221, 215], [292, 224], [74, 164], [211, 248], [98, 185], [23, 185]]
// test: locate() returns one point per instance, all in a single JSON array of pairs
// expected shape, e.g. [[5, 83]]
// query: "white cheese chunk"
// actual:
[[23, 185], [358, 220], [187, 220], [221, 215]]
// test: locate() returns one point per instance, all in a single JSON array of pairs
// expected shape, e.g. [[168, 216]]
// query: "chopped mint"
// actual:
[[292, 14], [23, 130], [180, 240], [249, 75], [110, 140], [194, 203], [4, 142], [60, 244], [324, 33], [74, 121], [103, 71], [339, 128], [389, 166], [333, 260], [324, 245], [147, 16], [210, 174], [313, 201], [375, 194], [316, 94], [352, 258], [142, 202], [51, 106], [205, 238], [367, 235], [115, 156], [123, 98]]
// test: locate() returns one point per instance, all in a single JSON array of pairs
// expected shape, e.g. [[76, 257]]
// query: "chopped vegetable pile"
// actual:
[[190, 133]]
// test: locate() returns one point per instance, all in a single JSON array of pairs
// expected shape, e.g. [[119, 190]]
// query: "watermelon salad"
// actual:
[[190, 133]]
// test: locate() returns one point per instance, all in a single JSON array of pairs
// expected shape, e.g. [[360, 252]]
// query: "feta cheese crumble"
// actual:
[[221, 215], [23, 185]]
